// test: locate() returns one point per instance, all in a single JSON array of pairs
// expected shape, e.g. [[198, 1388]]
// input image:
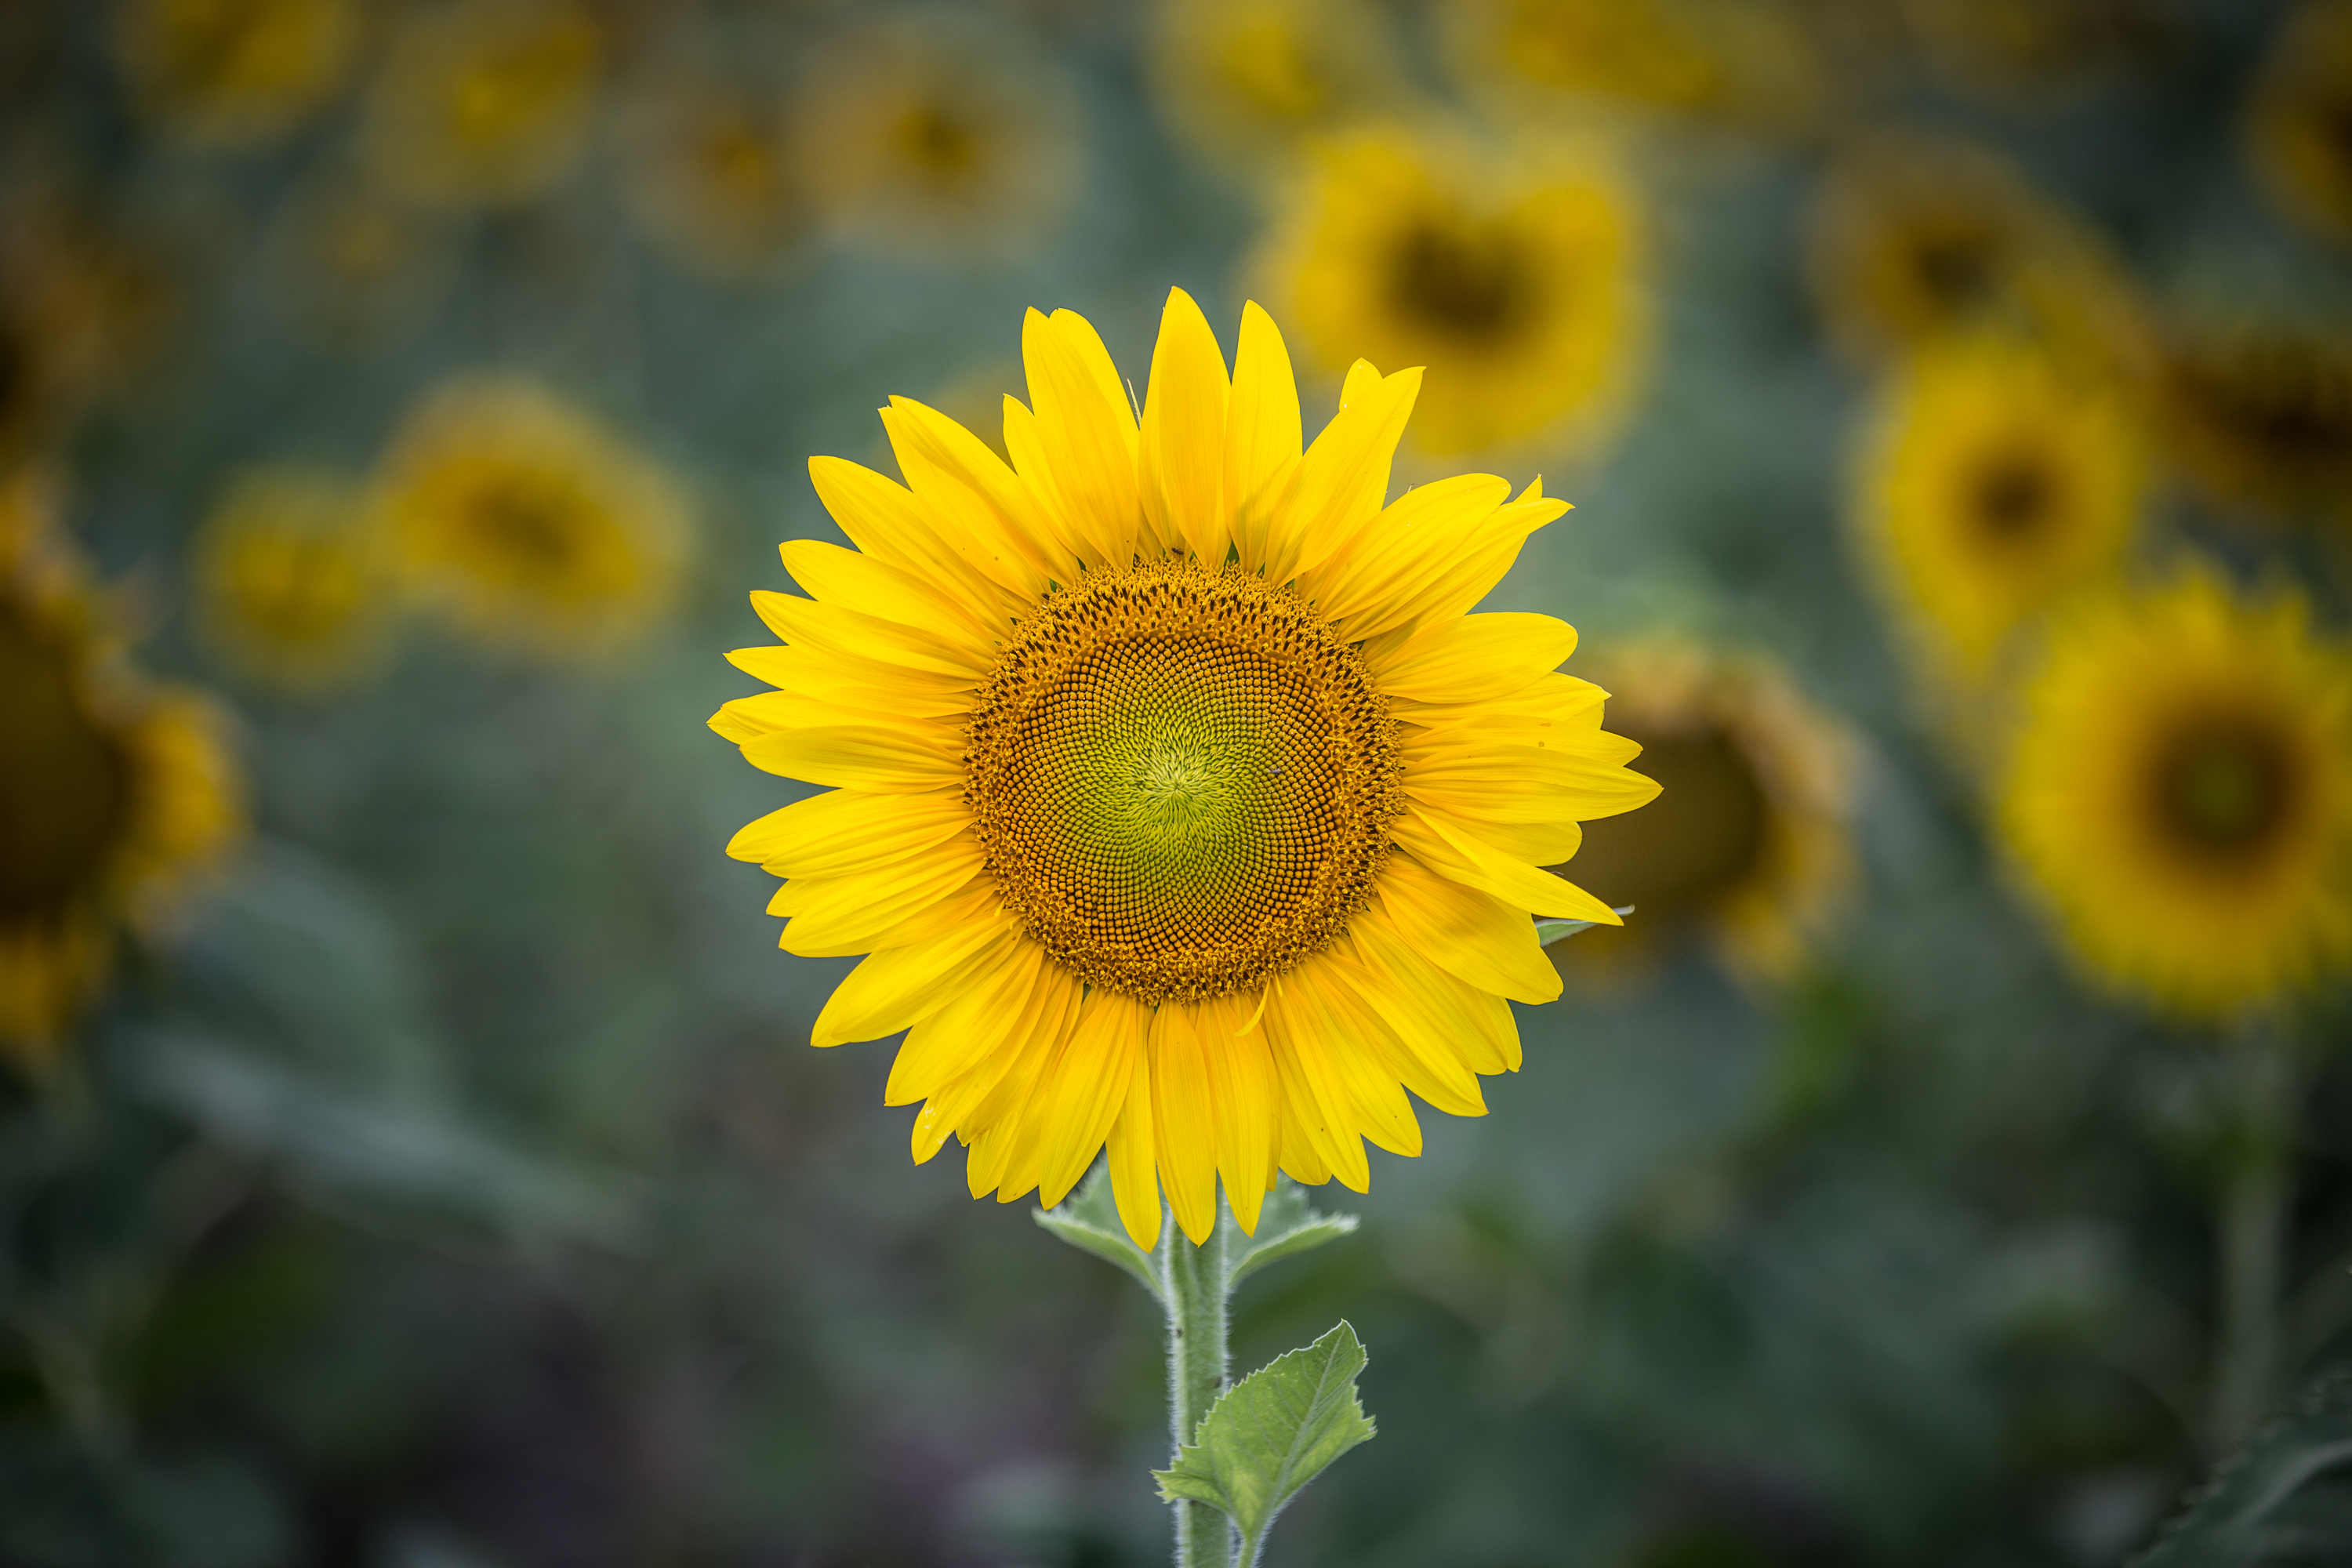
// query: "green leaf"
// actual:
[[1271, 1434], [2284, 1501], [1550, 931], [1286, 1226], [1088, 1220]]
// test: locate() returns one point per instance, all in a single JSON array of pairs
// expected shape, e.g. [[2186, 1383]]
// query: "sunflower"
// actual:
[[2260, 414], [2299, 124], [114, 793], [934, 141], [2177, 801], [1175, 798], [1516, 281], [482, 104], [1246, 81], [710, 171], [1993, 483], [292, 585], [1748, 846], [2025, 52], [236, 73], [1914, 238], [530, 523]]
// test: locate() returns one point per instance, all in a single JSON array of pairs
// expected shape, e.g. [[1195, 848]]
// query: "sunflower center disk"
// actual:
[[1182, 781]]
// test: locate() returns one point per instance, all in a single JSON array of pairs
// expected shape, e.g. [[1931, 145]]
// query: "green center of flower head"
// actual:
[[2223, 786], [1182, 780]]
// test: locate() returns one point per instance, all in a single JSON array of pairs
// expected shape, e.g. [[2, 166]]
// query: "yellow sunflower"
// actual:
[[235, 73], [2178, 798], [1914, 238], [709, 171], [1750, 844], [292, 586], [113, 793], [1175, 798], [2299, 124], [482, 103], [1246, 81], [2260, 414], [1993, 483], [935, 140], [531, 523], [1516, 281]]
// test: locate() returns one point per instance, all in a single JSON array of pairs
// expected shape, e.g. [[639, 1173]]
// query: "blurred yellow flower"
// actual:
[[482, 103], [2299, 124], [530, 522], [1175, 797], [235, 73], [2178, 799], [292, 583], [1517, 280], [1914, 238], [708, 171], [1748, 845], [1246, 81], [2260, 415], [114, 793], [1992, 482], [935, 140], [81, 306]]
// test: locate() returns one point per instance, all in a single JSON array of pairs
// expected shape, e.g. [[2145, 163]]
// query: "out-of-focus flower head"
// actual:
[[531, 524], [2029, 52], [936, 140], [1517, 279], [2177, 801], [2299, 124], [1914, 237], [236, 73], [1748, 845], [1247, 80], [1993, 481], [292, 582], [482, 103], [709, 169], [80, 308], [115, 793], [2259, 414]]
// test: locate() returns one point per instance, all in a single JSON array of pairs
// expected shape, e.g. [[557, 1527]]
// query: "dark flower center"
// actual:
[[64, 783], [2224, 787], [1466, 280], [1698, 843]]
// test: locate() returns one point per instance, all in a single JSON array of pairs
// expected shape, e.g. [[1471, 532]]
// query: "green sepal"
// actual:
[[1550, 931], [1271, 1434], [1088, 1220], [1286, 1226]]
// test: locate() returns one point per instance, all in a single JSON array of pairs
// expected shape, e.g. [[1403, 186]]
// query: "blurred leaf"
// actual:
[[1271, 1434], [1088, 1220], [1550, 931], [1286, 1226], [2284, 1500]]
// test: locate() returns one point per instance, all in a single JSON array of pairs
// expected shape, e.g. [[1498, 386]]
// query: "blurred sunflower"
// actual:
[[1749, 845], [2178, 798], [2026, 51], [2299, 124], [1992, 483], [1517, 281], [483, 103], [1912, 238], [1247, 80], [530, 522], [2260, 415], [235, 73], [114, 793], [80, 307], [292, 585], [708, 171], [1175, 797], [935, 140]]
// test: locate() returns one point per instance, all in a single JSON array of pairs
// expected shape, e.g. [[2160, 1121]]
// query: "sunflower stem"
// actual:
[[2249, 1226], [1194, 1286]]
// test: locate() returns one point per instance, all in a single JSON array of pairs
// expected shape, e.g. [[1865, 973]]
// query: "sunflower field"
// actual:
[[1655, 695]]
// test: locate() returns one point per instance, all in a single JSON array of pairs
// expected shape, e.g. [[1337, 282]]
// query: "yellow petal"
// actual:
[[968, 1105], [1133, 1182], [1456, 854], [1247, 1095], [1472, 935], [994, 517], [1475, 658], [902, 986], [1343, 480], [1319, 1100], [975, 901], [1184, 1114], [954, 1040], [1414, 535], [1081, 1094], [862, 757], [1334, 1034], [1420, 1047], [842, 831], [884, 689], [1262, 435], [1182, 450], [873, 587], [854, 635], [1086, 431], [1477, 1023], [1526, 784], [838, 914], [885, 521]]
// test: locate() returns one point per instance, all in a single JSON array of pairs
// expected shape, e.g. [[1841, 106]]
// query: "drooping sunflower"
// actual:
[[710, 170], [483, 103], [236, 73], [531, 523], [935, 140], [2299, 124], [1748, 847], [1993, 483], [2177, 801], [2260, 414], [1248, 80], [292, 582], [114, 793], [1516, 281], [1174, 796]]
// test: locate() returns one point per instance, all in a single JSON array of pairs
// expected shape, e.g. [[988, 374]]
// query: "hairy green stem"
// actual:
[[1192, 1284], [2249, 1225]]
